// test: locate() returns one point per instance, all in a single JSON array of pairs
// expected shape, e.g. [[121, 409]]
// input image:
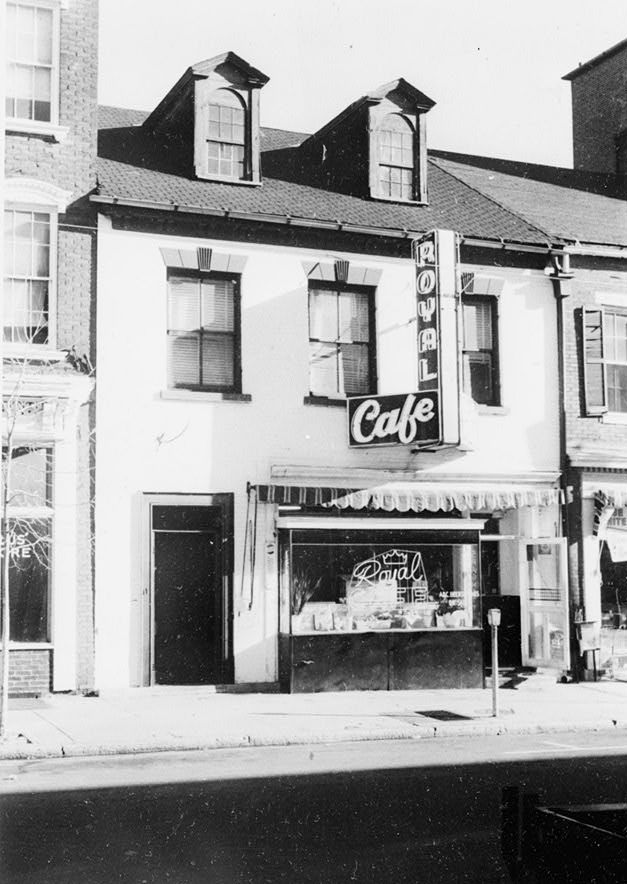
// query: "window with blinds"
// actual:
[[203, 332], [480, 352], [341, 342]]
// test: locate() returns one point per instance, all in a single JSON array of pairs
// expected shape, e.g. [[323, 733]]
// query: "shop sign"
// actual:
[[616, 535], [386, 580], [400, 419], [428, 312]]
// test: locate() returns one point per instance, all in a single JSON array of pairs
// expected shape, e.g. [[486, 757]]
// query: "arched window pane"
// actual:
[[396, 157], [227, 134]]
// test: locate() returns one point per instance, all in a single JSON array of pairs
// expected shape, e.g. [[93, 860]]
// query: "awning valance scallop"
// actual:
[[415, 497]]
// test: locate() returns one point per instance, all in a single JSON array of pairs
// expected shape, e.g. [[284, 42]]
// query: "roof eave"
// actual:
[[317, 223], [593, 62]]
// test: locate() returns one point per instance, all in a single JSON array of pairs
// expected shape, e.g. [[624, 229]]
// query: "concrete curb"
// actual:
[[19, 751]]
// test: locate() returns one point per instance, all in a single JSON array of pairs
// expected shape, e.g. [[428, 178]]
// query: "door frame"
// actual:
[[224, 503], [563, 606]]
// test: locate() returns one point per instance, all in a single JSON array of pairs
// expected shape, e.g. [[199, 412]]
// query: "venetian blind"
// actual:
[[201, 332], [478, 326]]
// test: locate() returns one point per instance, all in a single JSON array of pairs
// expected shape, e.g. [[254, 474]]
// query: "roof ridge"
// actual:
[[479, 160], [496, 202]]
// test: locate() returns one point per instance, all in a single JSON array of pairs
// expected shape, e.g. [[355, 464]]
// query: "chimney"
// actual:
[[599, 102]]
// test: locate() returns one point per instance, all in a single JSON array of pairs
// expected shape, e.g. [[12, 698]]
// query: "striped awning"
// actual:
[[606, 500], [415, 497]]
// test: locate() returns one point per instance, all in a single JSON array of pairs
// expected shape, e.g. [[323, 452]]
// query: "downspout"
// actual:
[[558, 267]]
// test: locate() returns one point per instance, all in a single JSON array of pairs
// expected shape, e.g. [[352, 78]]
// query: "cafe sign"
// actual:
[[400, 419], [429, 415]]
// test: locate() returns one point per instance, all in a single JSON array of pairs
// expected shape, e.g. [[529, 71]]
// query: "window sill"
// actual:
[[47, 131], [29, 646], [613, 417], [397, 200], [227, 179], [492, 409], [34, 352], [324, 401], [204, 396]]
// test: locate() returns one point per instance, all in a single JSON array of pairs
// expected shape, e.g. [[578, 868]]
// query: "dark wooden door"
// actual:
[[187, 606]]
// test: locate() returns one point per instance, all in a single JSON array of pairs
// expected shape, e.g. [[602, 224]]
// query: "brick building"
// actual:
[[599, 101], [48, 343]]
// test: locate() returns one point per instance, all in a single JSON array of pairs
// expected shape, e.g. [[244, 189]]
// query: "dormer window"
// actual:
[[226, 145], [210, 120], [377, 147], [396, 140]]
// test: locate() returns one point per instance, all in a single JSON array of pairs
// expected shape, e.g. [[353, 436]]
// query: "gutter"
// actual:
[[316, 223], [606, 251]]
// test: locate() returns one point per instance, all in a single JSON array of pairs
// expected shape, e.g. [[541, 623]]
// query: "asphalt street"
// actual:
[[425, 811]]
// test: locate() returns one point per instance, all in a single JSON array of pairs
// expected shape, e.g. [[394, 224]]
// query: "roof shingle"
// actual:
[[477, 197]]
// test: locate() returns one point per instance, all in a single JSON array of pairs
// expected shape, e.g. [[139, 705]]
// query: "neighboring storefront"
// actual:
[[604, 532], [41, 421]]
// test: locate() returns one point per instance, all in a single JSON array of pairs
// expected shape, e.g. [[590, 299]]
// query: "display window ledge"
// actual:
[[384, 631]]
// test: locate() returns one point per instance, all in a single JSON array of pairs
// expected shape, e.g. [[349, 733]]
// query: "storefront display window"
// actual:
[[29, 541], [350, 584], [613, 610]]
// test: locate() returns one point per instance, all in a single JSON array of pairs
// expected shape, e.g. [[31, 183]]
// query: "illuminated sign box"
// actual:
[[399, 419]]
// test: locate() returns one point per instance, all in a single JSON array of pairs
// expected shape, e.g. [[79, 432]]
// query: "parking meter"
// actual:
[[494, 620]]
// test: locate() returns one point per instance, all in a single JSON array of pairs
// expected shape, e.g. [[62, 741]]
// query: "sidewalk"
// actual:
[[164, 719]]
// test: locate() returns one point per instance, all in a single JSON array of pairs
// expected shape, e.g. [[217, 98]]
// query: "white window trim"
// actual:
[[617, 300], [27, 194], [38, 127], [614, 417]]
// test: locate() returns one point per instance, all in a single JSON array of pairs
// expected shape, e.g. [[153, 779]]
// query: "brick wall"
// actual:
[[580, 429], [71, 165], [599, 102], [30, 672]]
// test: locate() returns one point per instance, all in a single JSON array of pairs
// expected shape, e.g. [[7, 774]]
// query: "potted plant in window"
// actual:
[[449, 614], [304, 588]]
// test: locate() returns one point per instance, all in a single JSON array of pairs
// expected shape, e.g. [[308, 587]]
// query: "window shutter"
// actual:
[[593, 361]]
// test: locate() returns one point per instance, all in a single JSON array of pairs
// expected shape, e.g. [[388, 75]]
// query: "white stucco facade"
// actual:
[[152, 441]]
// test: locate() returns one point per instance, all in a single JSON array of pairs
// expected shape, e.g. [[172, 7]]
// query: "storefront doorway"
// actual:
[[188, 616], [544, 599]]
